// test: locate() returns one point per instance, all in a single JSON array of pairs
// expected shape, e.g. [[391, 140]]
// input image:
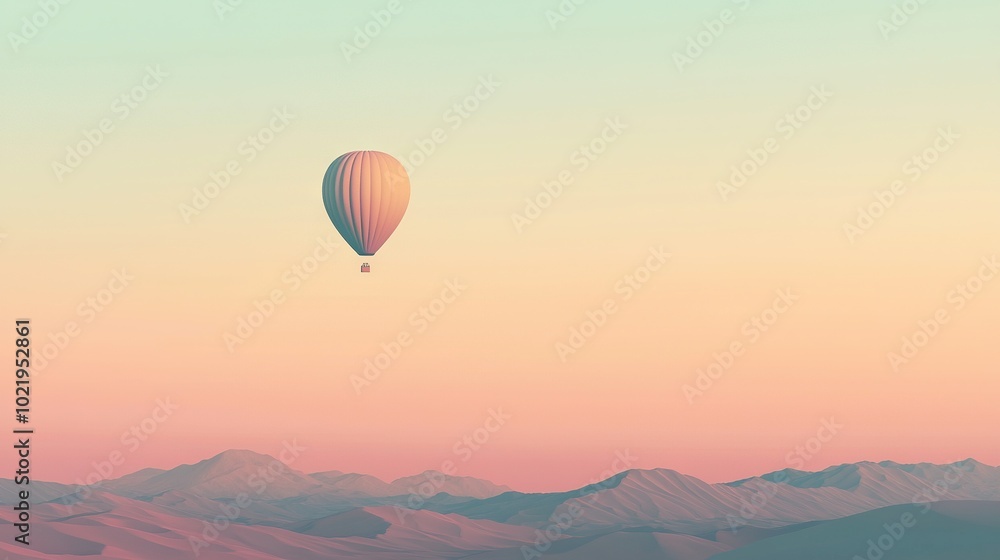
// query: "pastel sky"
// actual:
[[546, 87]]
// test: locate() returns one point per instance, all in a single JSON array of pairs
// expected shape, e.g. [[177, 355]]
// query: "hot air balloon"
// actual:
[[366, 194]]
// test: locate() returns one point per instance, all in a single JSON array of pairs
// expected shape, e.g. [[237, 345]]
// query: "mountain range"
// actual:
[[241, 504]]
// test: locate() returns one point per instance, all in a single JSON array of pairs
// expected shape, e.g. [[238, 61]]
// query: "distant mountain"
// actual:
[[356, 484], [40, 491], [231, 473], [890, 481], [245, 505], [112, 527], [438, 482], [948, 531], [135, 479], [226, 475], [663, 499], [425, 484]]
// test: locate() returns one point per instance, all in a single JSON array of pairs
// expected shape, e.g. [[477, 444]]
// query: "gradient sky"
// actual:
[[162, 337]]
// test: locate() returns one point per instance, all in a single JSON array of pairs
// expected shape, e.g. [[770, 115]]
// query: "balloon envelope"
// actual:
[[366, 195]]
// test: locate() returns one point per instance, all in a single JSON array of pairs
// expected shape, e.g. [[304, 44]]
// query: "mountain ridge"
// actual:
[[249, 506]]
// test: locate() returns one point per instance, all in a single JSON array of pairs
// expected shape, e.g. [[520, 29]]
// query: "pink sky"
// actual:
[[136, 299]]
